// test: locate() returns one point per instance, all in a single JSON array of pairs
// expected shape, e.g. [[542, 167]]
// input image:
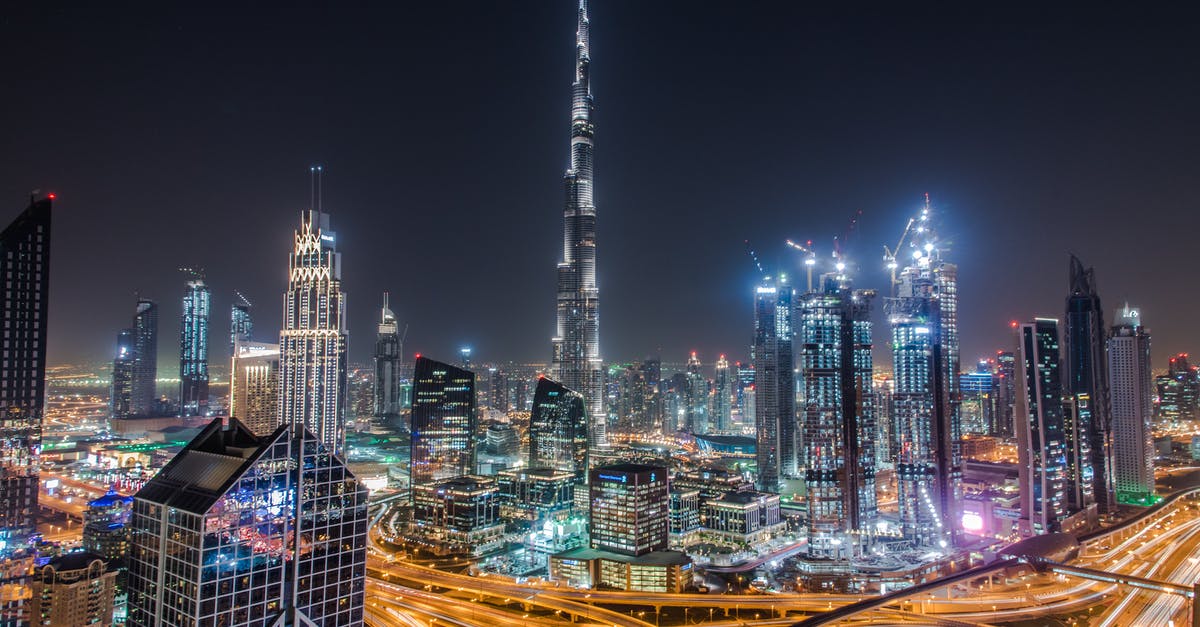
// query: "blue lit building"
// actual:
[[774, 384], [193, 349], [241, 325], [1041, 428]]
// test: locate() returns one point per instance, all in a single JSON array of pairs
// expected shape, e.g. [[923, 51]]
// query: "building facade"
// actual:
[[630, 508], [120, 392], [1041, 428], [312, 343], [254, 386], [145, 358], [1131, 403], [833, 342], [241, 324], [388, 351], [558, 437], [193, 349], [443, 422], [722, 404], [1089, 448], [74, 590], [774, 384]]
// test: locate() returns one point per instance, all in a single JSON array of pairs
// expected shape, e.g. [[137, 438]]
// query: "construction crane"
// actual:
[[241, 297], [196, 273], [754, 256], [889, 255], [809, 261]]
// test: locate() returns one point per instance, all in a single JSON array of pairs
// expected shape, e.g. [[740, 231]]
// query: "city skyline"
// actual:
[[247, 173]]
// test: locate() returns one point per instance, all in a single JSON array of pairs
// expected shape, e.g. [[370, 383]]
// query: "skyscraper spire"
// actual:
[[577, 362]]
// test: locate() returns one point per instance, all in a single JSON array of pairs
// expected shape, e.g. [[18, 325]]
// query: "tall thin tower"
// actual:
[[1089, 451], [387, 367], [577, 339], [312, 342]]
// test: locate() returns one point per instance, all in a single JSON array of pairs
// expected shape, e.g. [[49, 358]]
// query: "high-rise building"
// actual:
[[244, 530], [1041, 428], [193, 349], [886, 442], [1178, 390], [254, 386], [1006, 393], [74, 590], [106, 530], [120, 393], [241, 325], [833, 341], [774, 384], [1130, 390], [577, 362], [312, 343], [695, 392], [744, 401], [387, 366], [558, 430], [978, 399], [1086, 371], [926, 402], [630, 508], [145, 358], [722, 405], [443, 422]]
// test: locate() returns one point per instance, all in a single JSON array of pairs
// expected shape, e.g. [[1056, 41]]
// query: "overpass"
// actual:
[[1125, 580]]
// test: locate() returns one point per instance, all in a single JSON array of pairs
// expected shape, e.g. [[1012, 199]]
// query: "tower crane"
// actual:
[[810, 259], [242, 297], [754, 256], [196, 273], [889, 255]]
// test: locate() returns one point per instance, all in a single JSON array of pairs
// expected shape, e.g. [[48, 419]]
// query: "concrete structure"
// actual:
[[254, 386], [1131, 404], [74, 590]]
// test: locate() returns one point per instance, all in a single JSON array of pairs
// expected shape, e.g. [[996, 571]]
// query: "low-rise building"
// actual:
[[744, 518], [458, 515]]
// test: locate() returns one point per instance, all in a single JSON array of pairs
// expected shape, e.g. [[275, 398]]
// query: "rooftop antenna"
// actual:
[[314, 191]]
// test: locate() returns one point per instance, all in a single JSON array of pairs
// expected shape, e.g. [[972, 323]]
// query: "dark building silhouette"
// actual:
[[443, 422], [143, 384], [387, 367], [120, 393], [1089, 449], [558, 436]]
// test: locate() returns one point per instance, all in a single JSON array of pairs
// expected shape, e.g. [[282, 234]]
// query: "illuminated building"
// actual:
[[722, 397], [558, 437], [926, 401], [254, 386], [193, 349], [145, 359], [535, 494], [838, 431], [774, 384], [1130, 389], [312, 343], [74, 589], [120, 392], [577, 362], [747, 518], [241, 325], [744, 402], [683, 512], [460, 514], [239, 529], [1041, 437], [1089, 446], [106, 531], [501, 439], [886, 442], [695, 391], [978, 400], [25, 264], [387, 367], [443, 422], [1178, 390], [1006, 393]]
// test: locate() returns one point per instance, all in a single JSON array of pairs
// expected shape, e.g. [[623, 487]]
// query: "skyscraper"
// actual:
[[254, 386], [193, 349], [978, 399], [25, 264], [244, 530], [926, 401], [629, 513], [145, 358], [833, 330], [443, 422], [120, 397], [577, 362], [1130, 390], [312, 342], [241, 325], [1041, 428], [695, 393], [1006, 393], [722, 406], [774, 384], [387, 367], [1087, 375], [558, 430]]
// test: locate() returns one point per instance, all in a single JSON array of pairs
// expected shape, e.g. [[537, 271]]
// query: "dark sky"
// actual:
[[182, 135]]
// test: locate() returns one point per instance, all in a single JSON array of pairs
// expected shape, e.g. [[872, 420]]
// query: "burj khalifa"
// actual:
[[577, 361]]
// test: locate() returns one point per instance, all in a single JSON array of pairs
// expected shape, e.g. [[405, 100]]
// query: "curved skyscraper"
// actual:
[[577, 362]]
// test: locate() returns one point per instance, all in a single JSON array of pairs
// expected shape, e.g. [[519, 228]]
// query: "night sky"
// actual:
[[183, 136]]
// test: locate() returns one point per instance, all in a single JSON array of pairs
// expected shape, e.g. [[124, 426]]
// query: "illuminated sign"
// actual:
[[620, 478], [972, 522]]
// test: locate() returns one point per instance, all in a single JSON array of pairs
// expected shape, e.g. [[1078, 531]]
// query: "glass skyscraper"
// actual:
[[242, 530], [25, 266], [1041, 428], [120, 397], [833, 341], [774, 384], [722, 405], [443, 422], [1089, 450], [241, 325], [558, 430], [312, 342], [145, 358], [193, 349], [577, 362]]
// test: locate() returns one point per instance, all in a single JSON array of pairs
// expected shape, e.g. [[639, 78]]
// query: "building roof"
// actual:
[[79, 560], [201, 473], [110, 498], [629, 467], [742, 498], [653, 558]]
